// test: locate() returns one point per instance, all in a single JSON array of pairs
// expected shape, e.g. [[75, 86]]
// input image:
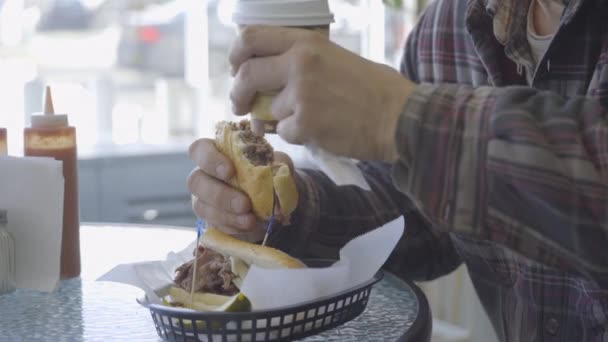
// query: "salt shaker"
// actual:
[[7, 256]]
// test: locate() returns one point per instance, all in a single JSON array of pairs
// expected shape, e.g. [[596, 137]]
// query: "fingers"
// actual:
[[291, 131], [254, 76], [221, 205], [283, 103], [218, 217], [255, 236], [261, 41], [218, 194], [242, 227], [205, 155]]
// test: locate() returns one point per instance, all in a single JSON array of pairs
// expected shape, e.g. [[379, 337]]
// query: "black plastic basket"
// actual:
[[284, 324]]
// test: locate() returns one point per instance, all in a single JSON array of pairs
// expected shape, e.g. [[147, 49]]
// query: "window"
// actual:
[[146, 71]]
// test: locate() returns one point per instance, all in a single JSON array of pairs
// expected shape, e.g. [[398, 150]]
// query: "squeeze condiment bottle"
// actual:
[[51, 136], [3, 143], [308, 14]]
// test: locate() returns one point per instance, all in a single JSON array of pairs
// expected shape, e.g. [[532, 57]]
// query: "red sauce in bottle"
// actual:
[[59, 142]]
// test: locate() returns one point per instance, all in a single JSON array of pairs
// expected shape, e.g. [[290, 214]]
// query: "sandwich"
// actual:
[[268, 183], [222, 265]]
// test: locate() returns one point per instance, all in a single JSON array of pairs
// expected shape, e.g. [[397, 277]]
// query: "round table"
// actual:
[[83, 309]]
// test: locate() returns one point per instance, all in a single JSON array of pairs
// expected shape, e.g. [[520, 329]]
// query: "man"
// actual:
[[496, 138]]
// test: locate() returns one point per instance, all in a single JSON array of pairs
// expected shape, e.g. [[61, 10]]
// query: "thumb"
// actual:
[[290, 132]]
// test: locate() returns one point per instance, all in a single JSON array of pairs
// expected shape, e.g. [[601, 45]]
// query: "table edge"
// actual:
[[421, 328]]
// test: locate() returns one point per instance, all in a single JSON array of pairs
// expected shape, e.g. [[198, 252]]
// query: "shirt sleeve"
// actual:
[[515, 165], [328, 216]]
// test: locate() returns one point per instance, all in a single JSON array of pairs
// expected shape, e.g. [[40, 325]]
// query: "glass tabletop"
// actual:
[[83, 309]]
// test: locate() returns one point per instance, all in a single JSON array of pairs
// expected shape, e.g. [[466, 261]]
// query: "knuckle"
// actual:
[[241, 89], [200, 152], [300, 122], [234, 98], [245, 71], [250, 222], [242, 221], [287, 131], [206, 212], [225, 219], [300, 129], [248, 36], [239, 202], [239, 110], [233, 220], [239, 107], [306, 58], [198, 208], [216, 197], [302, 94], [192, 149], [193, 180], [314, 38]]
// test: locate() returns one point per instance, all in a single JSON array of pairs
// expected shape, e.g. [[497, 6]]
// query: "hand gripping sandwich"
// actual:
[[257, 173], [223, 263]]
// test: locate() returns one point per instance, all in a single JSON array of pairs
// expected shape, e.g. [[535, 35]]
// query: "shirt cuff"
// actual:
[[426, 148], [293, 239]]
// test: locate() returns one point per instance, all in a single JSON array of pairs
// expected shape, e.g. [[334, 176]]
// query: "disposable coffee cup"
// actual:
[[306, 14]]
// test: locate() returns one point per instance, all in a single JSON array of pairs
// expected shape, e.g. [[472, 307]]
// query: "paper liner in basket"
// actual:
[[359, 260]]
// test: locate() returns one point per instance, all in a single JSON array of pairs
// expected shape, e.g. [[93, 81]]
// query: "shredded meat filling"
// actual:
[[256, 148], [243, 125], [258, 153], [213, 275]]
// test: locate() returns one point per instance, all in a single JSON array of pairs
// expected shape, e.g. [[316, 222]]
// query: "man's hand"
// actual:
[[214, 200], [330, 97], [220, 204]]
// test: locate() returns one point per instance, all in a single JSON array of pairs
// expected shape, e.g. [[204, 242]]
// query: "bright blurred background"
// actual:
[[146, 71]]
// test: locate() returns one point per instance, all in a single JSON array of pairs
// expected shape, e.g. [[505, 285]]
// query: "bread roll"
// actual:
[[257, 173], [250, 253]]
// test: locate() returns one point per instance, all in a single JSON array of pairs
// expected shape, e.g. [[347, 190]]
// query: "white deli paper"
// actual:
[[359, 260], [31, 190], [341, 170]]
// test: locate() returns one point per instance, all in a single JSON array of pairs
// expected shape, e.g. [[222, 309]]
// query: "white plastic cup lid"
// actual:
[[283, 12]]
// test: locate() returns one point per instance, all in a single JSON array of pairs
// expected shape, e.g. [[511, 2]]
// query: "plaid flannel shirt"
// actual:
[[509, 178]]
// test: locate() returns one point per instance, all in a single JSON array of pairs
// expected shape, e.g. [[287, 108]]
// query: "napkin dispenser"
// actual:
[[31, 190]]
